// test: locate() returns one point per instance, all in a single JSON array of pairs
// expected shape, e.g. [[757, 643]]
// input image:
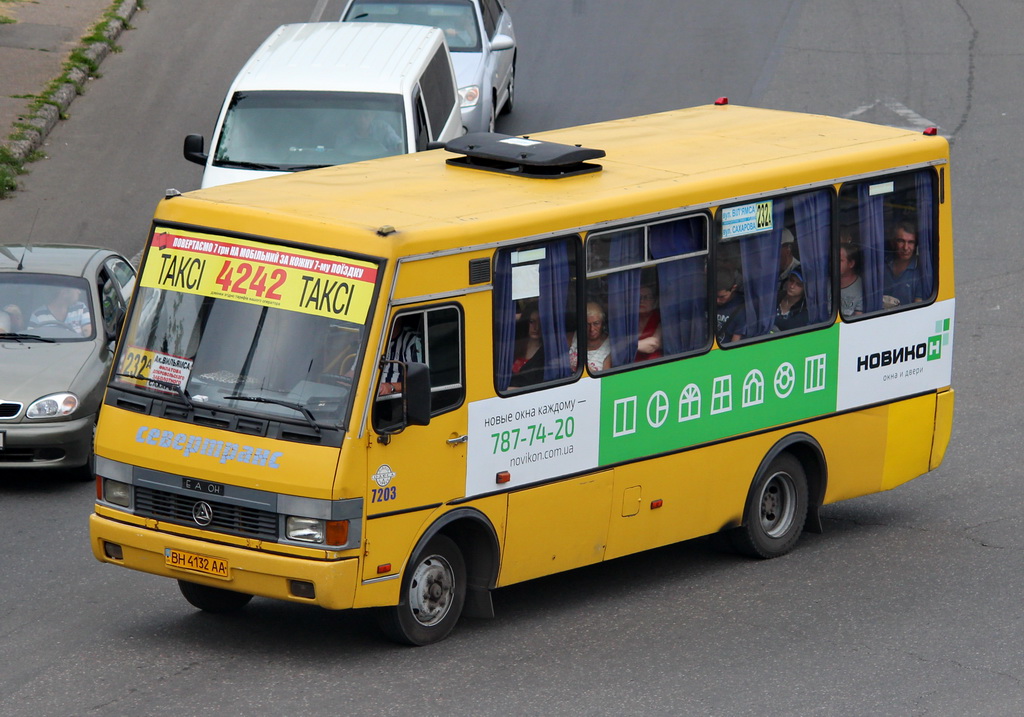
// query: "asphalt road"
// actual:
[[908, 604]]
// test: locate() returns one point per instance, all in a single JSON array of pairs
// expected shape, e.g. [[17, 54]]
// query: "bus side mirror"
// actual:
[[193, 149], [411, 407], [416, 394]]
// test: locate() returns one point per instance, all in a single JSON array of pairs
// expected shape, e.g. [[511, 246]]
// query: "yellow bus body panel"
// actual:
[[943, 426]]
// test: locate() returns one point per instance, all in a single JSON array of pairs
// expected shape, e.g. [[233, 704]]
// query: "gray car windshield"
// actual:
[[295, 130], [456, 18], [245, 358], [45, 307]]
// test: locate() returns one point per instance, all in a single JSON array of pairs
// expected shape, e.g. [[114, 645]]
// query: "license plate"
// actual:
[[217, 567]]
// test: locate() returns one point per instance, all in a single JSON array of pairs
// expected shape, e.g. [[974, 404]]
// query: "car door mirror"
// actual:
[[502, 42], [193, 149]]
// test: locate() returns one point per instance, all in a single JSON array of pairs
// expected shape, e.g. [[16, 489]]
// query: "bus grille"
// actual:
[[227, 518]]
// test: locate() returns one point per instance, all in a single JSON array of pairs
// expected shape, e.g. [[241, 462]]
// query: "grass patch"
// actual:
[[10, 166]]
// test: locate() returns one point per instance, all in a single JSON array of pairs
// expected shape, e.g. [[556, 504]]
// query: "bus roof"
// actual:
[[654, 163]]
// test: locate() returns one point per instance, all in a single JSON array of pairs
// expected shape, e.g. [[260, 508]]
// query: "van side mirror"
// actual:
[[193, 149]]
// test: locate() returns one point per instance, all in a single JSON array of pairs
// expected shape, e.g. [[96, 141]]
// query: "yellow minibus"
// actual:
[[401, 384]]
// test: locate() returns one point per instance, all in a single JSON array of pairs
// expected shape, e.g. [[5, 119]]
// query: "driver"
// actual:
[[66, 308]]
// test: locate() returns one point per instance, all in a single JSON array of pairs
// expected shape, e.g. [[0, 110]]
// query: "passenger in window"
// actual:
[[788, 260], [903, 282], [406, 346], [15, 316], [729, 305], [599, 348], [851, 286], [791, 312], [649, 343], [528, 365]]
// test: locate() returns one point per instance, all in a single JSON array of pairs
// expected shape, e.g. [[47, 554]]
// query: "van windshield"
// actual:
[[288, 131]]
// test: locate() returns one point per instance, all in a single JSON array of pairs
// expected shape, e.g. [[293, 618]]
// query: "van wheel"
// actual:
[[215, 600], [776, 509], [507, 107], [433, 593]]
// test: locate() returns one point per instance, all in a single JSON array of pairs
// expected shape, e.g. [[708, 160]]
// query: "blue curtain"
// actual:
[[871, 215], [759, 259], [504, 320], [624, 299], [924, 184], [681, 285], [812, 213], [554, 290]]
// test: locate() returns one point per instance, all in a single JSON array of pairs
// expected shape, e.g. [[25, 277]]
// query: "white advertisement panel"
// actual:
[[898, 355], [533, 437]]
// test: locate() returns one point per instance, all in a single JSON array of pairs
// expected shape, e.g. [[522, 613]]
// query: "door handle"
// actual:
[[456, 441]]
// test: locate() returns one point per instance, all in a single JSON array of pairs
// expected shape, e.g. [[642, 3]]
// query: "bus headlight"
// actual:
[[53, 406], [314, 530], [307, 530], [116, 492], [469, 96]]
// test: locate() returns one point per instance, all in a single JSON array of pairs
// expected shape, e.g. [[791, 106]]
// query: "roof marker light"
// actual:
[[722, 101], [931, 131]]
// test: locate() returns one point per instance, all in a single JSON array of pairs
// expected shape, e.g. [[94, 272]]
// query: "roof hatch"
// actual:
[[521, 156]]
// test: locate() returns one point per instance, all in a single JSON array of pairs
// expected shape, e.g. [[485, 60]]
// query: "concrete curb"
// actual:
[[48, 115]]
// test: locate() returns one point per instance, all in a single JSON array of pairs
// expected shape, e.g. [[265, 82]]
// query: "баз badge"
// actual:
[[61, 308]]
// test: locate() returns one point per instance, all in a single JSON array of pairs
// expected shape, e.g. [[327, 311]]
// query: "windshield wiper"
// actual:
[[247, 165], [182, 392], [30, 337], [307, 414]]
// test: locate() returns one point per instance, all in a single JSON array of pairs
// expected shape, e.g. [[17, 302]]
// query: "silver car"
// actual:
[[61, 307], [482, 44]]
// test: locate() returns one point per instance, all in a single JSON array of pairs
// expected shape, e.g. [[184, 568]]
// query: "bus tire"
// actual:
[[433, 593], [213, 600], [776, 509]]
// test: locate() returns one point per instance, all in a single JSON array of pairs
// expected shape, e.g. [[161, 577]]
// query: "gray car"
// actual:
[[61, 307], [482, 42]]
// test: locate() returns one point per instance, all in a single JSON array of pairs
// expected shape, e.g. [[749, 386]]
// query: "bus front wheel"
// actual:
[[776, 509], [433, 593], [215, 600]]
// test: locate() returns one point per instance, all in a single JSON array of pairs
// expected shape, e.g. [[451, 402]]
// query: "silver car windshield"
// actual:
[[295, 130], [246, 358], [45, 307], [456, 18]]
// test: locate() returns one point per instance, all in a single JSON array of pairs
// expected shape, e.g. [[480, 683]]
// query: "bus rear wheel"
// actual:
[[215, 600], [433, 593], [776, 509]]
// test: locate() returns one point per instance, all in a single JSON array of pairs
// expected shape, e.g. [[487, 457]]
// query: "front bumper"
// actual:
[[47, 444], [251, 571]]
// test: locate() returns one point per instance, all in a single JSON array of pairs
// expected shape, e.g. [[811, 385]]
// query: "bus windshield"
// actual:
[[226, 354]]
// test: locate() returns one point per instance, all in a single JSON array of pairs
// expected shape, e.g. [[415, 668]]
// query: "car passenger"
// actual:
[[903, 282]]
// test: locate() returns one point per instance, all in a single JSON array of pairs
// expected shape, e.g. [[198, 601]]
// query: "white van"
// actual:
[[319, 94]]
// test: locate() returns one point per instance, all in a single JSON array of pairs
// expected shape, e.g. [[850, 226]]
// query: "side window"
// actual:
[[421, 128], [491, 11], [535, 320], [888, 241], [773, 265], [112, 306], [647, 288], [432, 336], [439, 92], [122, 271]]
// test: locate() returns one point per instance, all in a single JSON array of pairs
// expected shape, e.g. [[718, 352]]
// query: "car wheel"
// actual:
[[433, 593], [215, 600], [507, 107], [776, 509]]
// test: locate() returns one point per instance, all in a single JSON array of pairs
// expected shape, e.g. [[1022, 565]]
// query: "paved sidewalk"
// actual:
[[33, 51]]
